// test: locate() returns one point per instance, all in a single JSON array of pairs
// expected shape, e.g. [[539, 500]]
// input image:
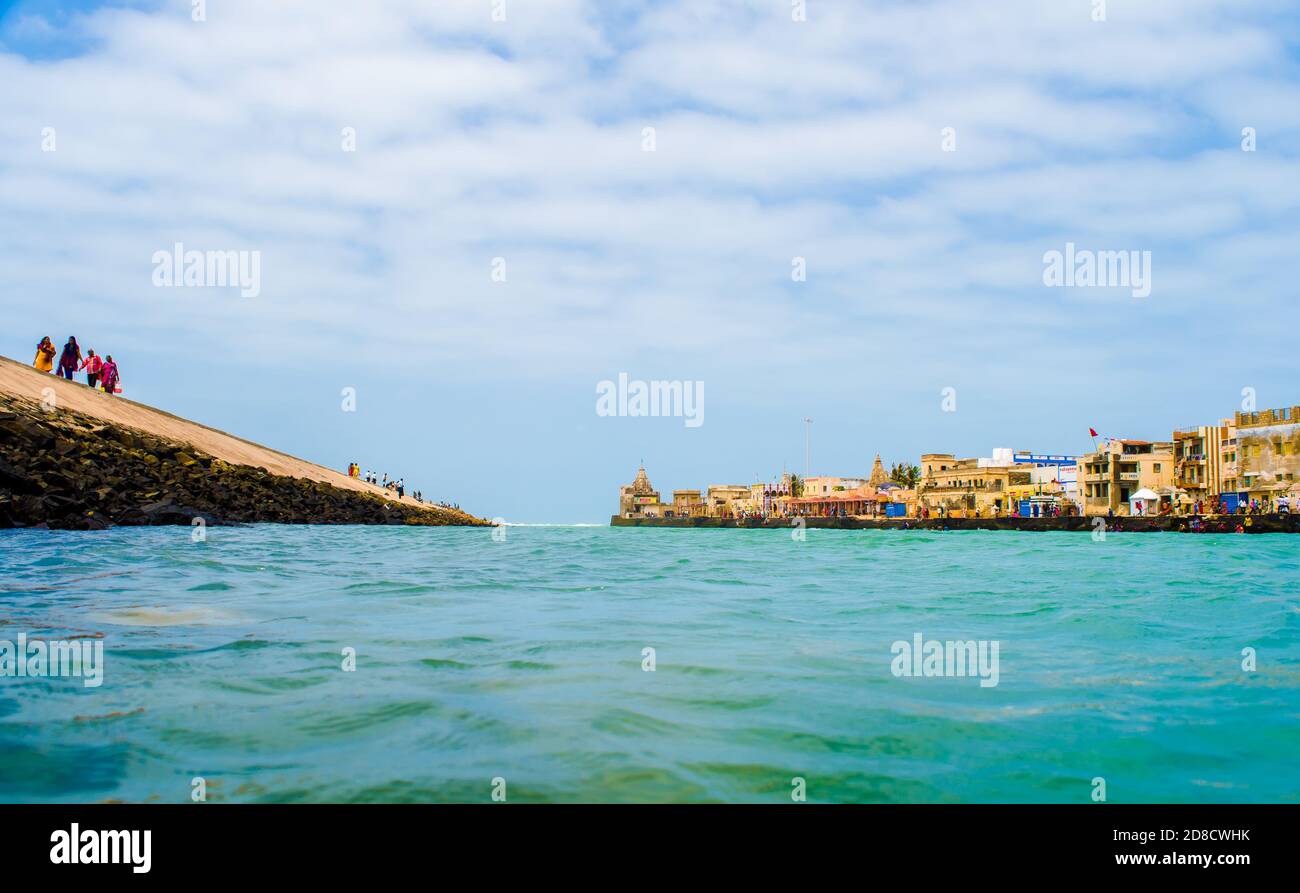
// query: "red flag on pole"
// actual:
[[1092, 432]]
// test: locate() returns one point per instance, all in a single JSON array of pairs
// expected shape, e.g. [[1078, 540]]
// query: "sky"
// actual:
[[469, 214]]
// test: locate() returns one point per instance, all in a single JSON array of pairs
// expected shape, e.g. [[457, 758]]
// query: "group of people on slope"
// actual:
[[100, 373], [397, 485]]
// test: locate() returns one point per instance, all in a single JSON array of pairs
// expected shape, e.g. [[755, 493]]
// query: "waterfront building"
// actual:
[[770, 499], [904, 498], [1268, 452], [1205, 461], [1111, 475], [1229, 467], [727, 500], [861, 501], [639, 498], [687, 503], [958, 488], [1053, 480], [824, 485]]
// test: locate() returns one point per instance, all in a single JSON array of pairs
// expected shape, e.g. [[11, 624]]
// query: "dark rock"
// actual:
[[15, 480], [68, 471]]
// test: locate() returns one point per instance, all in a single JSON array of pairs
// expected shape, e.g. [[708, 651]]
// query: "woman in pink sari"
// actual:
[[108, 375]]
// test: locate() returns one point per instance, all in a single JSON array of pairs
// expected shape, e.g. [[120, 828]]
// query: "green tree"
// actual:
[[796, 486], [905, 475]]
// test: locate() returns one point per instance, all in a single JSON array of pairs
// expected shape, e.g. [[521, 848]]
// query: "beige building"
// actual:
[[1230, 468], [723, 500], [687, 503], [959, 488], [1110, 476], [1268, 452], [825, 485], [1201, 467]]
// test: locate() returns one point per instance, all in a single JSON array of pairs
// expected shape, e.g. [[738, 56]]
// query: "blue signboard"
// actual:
[[1037, 459]]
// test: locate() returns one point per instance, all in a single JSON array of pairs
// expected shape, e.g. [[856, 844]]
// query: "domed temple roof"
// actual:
[[641, 486]]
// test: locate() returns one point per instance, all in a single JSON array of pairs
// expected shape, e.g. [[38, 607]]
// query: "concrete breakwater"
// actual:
[[1158, 524], [64, 469]]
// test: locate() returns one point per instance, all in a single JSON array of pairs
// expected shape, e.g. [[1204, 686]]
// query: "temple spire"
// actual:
[[878, 475]]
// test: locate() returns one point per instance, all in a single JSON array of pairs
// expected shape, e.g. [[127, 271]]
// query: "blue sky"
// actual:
[[774, 139]]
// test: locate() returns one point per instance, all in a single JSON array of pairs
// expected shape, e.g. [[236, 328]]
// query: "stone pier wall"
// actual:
[[1174, 524]]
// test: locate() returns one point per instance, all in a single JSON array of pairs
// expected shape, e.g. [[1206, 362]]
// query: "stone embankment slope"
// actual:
[[75, 458]]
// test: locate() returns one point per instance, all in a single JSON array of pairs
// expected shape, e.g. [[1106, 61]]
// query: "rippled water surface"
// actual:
[[523, 660]]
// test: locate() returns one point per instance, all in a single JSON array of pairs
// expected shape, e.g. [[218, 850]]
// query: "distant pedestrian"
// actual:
[[109, 375], [70, 359], [91, 366], [45, 351]]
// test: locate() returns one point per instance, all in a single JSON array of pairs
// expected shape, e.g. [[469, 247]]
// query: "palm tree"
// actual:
[[905, 475]]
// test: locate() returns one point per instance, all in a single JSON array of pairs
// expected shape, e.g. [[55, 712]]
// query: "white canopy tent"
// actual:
[[1144, 502]]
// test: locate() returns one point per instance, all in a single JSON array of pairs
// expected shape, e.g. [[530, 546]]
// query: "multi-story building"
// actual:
[[1229, 468], [724, 500], [687, 503], [1268, 452], [1108, 477], [1200, 464], [770, 499], [1053, 474], [966, 487], [825, 485]]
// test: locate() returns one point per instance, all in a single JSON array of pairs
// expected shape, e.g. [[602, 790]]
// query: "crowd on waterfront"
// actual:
[[1282, 505], [101, 373]]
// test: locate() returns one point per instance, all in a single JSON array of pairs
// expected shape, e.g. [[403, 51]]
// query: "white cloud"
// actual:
[[522, 139]]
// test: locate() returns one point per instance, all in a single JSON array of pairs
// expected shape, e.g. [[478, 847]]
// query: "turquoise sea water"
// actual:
[[523, 660]]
